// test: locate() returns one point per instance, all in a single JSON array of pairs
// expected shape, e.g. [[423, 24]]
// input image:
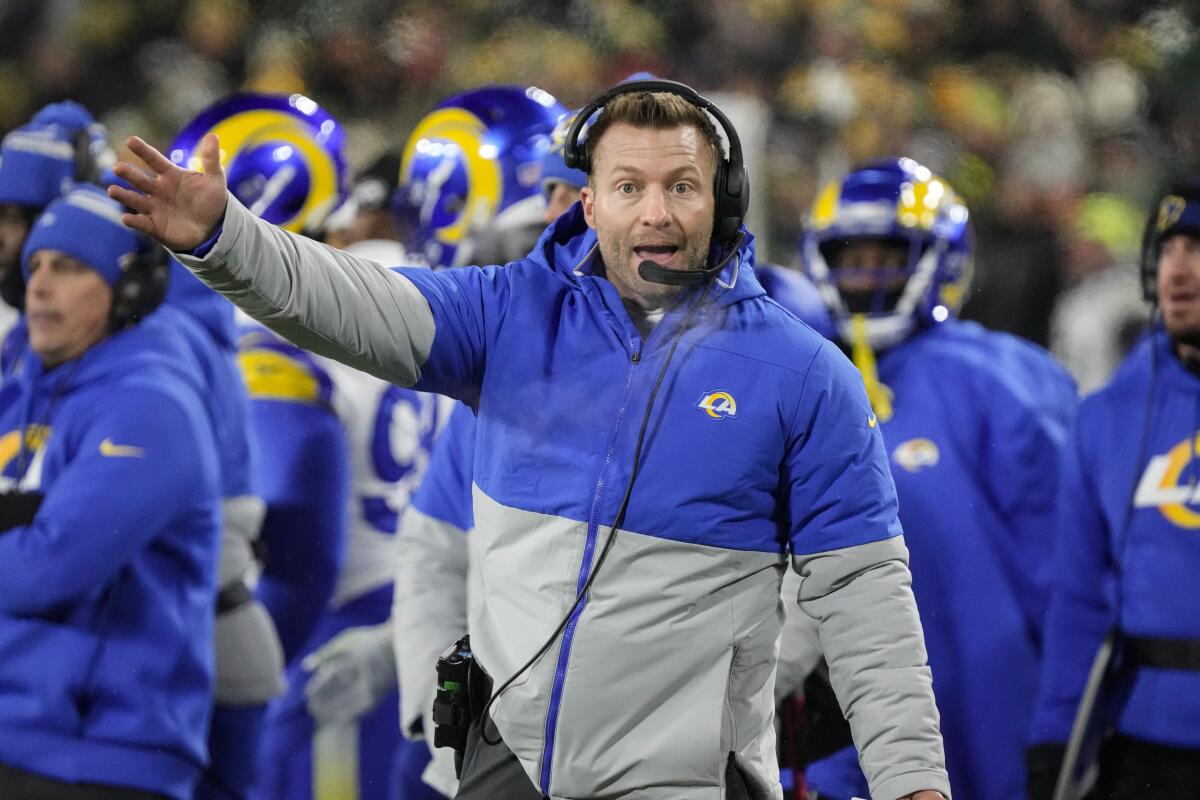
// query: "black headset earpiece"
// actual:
[[732, 189], [142, 287], [86, 169]]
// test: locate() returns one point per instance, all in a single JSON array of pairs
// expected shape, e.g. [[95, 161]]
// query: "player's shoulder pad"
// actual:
[[274, 369]]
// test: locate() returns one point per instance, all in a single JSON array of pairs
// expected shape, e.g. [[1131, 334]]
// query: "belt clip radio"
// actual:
[[452, 712]]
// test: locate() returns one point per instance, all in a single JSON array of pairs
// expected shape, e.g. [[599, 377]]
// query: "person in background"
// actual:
[[975, 422], [108, 562], [1127, 553], [366, 215]]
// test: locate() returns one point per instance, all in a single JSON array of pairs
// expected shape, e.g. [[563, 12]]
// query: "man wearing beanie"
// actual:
[[62, 145], [110, 516], [1128, 551]]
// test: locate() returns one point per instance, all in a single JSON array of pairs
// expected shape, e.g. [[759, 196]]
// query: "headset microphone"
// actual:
[[687, 277]]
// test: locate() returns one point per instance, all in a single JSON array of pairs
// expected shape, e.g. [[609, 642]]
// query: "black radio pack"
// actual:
[[459, 680]]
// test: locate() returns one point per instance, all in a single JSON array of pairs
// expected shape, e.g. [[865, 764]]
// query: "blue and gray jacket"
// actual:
[[761, 445], [1128, 549], [106, 598]]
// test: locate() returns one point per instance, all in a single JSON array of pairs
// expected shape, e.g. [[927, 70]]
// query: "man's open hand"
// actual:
[[178, 207]]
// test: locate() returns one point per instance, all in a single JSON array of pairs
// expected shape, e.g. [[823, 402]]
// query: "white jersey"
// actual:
[[389, 433]]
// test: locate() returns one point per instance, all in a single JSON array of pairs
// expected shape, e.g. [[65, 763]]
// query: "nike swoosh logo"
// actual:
[[107, 448], [871, 421]]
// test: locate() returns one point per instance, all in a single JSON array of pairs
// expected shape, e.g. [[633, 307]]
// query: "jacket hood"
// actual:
[[569, 248], [152, 343]]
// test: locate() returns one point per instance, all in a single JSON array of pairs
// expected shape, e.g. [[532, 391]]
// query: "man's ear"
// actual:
[[587, 198]]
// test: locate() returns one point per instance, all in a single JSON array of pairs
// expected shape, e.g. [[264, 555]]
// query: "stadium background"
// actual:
[[1058, 120]]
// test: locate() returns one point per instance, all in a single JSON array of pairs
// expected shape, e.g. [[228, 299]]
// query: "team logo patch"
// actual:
[[1169, 211], [718, 405], [916, 454], [1160, 485]]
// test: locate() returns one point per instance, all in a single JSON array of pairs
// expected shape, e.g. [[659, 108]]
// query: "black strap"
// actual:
[[233, 597], [1162, 653]]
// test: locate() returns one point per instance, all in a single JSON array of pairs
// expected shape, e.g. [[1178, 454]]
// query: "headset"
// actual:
[[731, 190], [142, 286]]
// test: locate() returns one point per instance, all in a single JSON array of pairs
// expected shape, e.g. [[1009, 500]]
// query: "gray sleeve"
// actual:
[[799, 643], [871, 635], [429, 609], [322, 299]]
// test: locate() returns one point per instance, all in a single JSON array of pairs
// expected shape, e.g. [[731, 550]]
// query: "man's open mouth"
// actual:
[[658, 253]]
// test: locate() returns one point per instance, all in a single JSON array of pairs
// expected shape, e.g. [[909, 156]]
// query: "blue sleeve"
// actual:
[[304, 479], [836, 471], [109, 503], [1025, 438], [467, 304], [1082, 608], [445, 490]]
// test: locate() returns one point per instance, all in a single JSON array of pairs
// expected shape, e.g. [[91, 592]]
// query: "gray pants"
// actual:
[[491, 771]]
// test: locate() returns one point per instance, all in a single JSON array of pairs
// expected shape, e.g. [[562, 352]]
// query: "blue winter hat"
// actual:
[[41, 159], [85, 224], [554, 169]]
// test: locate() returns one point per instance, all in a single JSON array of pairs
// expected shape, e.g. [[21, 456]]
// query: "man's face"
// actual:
[[14, 227], [870, 273], [1179, 287], [650, 198], [559, 197], [67, 305]]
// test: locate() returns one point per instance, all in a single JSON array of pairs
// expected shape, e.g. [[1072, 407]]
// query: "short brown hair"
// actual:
[[656, 110]]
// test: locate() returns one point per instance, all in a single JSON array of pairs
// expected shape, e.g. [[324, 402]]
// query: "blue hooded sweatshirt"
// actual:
[[106, 598]]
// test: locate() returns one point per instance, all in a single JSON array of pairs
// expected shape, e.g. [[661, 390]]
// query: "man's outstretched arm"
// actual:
[[324, 300]]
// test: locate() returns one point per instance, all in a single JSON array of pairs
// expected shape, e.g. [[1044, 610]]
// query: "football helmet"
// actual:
[[282, 154], [472, 167], [904, 208]]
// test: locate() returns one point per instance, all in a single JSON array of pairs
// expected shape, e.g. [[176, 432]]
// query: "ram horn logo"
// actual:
[[718, 405], [916, 454]]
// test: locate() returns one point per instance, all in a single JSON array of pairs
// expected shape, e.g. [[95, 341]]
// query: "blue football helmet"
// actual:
[[282, 156], [895, 202], [472, 166]]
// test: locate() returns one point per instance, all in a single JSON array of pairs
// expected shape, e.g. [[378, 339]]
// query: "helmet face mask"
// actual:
[[473, 166], [891, 243]]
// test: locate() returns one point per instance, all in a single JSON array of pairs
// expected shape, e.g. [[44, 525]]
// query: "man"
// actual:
[[107, 585], [975, 421], [560, 354], [62, 145], [1127, 553]]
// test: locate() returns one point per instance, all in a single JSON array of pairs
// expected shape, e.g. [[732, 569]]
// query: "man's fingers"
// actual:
[[149, 156], [210, 154], [138, 178], [139, 223], [127, 197]]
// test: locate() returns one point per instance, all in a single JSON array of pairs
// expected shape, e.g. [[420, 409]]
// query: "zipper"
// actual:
[[585, 568]]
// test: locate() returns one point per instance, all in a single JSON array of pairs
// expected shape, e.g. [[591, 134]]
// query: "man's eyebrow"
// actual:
[[629, 169]]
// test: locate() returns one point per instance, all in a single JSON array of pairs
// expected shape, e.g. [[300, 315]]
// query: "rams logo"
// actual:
[[718, 405], [1160, 485], [916, 454], [12, 465], [1169, 211]]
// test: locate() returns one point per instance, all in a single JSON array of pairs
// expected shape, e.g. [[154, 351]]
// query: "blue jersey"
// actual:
[[106, 598], [978, 424], [303, 476], [1129, 549]]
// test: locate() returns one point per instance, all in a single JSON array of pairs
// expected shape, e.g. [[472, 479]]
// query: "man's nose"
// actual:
[[654, 207]]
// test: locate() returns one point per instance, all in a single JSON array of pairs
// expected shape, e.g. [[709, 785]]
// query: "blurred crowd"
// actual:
[[1057, 120]]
